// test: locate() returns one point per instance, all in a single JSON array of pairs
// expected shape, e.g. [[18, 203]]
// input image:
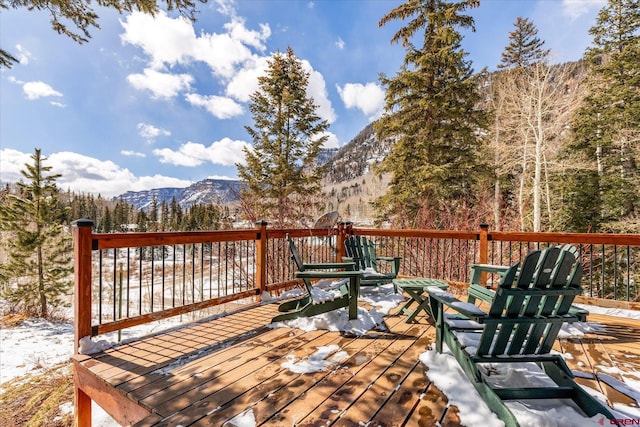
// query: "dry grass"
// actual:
[[11, 320], [35, 401]]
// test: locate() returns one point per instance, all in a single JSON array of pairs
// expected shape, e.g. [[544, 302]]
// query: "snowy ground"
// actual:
[[36, 345]]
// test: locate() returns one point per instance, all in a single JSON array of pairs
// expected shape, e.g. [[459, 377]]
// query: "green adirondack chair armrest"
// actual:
[[388, 258], [329, 265], [476, 291], [308, 274], [394, 267], [467, 309], [478, 269], [351, 291], [395, 260]]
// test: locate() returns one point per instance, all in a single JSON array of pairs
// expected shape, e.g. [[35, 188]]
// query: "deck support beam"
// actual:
[[89, 387], [82, 230]]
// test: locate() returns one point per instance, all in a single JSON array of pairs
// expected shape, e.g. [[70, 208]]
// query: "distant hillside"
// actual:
[[357, 157], [351, 183], [206, 191]]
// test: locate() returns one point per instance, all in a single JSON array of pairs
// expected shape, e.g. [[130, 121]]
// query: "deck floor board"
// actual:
[[208, 372]]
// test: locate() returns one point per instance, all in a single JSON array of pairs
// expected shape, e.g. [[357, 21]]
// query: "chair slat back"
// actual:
[[510, 303], [497, 307], [526, 314], [297, 259], [362, 249]]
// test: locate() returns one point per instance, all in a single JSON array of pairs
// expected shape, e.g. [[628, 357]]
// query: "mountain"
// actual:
[[357, 157], [325, 155], [350, 168], [206, 191]]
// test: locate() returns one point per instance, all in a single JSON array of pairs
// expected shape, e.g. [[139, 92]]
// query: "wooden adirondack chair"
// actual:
[[305, 305], [521, 325], [477, 291], [478, 269], [362, 251]]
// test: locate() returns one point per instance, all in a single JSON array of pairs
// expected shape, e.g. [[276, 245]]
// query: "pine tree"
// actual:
[[431, 111], [175, 213], [153, 215], [524, 47], [40, 254], [164, 216], [106, 225], [607, 127], [280, 172]]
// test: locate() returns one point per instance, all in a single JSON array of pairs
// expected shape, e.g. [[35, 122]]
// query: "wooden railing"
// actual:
[[127, 279], [611, 262]]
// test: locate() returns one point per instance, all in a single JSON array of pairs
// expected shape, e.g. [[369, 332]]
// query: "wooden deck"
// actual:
[[207, 373]]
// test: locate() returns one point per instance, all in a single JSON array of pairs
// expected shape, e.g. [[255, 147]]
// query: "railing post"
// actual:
[[261, 258], [82, 230], [484, 250], [345, 229]]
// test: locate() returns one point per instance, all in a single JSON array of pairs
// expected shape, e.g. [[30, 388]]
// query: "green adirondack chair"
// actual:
[[363, 252], [477, 291], [305, 305], [478, 269], [526, 314]]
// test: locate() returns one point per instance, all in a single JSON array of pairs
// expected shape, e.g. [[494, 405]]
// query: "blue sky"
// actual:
[[162, 102]]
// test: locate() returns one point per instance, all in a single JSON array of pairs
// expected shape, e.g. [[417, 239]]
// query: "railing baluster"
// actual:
[[173, 288], [628, 273], [100, 288], [604, 263], [128, 279], [140, 275], [163, 277], [153, 274]]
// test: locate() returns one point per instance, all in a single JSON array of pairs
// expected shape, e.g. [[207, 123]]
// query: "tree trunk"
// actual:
[[41, 285]]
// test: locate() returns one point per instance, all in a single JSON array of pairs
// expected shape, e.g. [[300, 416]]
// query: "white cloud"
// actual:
[[574, 9], [166, 40], [131, 153], [317, 89], [85, 174], [35, 90], [11, 163], [226, 53], [169, 41], [368, 98], [150, 132], [23, 55], [238, 32], [245, 81], [332, 141], [230, 56], [161, 85], [218, 106], [226, 152], [340, 43], [57, 104], [226, 7]]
